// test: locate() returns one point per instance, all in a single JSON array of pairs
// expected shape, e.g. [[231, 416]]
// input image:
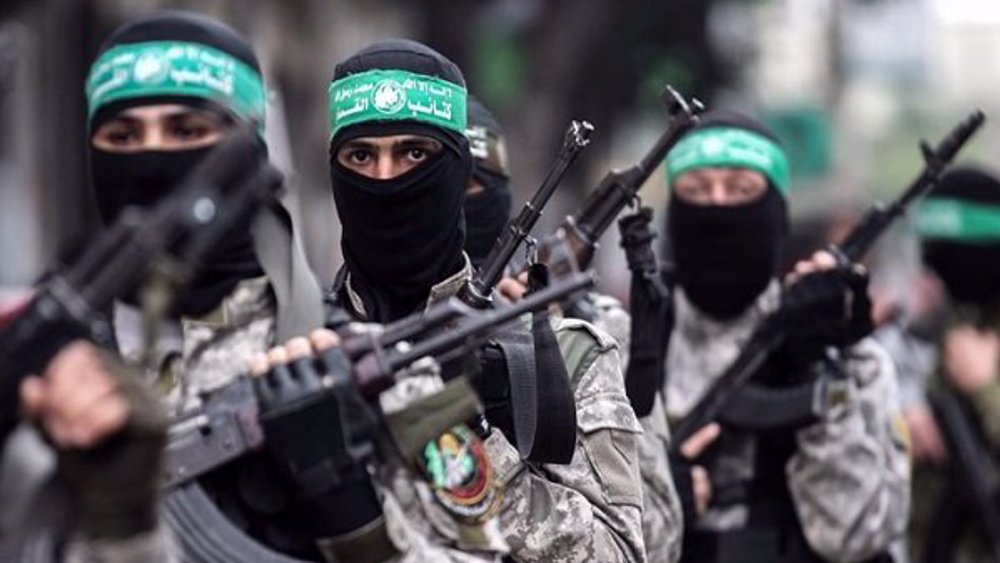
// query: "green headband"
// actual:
[[729, 147], [958, 220], [175, 68], [395, 95]]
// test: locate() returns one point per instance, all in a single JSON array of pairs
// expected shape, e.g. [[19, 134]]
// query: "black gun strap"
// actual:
[[296, 290], [541, 400], [650, 306]]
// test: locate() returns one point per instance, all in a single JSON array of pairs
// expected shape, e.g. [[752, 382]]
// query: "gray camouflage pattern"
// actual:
[[590, 509], [216, 349], [849, 478], [662, 516]]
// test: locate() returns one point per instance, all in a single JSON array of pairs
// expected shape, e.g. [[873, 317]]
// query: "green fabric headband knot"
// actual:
[[729, 147], [175, 68], [397, 95], [958, 220]]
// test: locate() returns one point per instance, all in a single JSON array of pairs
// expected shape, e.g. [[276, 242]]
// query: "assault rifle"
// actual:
[[227, 188], [225, 426], [478, 291], [620, 188], [770, 333]]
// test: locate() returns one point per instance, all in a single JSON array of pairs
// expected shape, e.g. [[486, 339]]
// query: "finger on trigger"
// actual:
[[298, 347], [258, 364], [323, 338]]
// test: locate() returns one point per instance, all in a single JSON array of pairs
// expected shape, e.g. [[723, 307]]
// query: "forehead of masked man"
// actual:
[[728, 213], [401, 103], [488, 198], [959, 227]]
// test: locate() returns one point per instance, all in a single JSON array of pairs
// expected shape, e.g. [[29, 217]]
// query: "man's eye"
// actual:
[[122, 136], [359, 156], [190, 132], [417, 154]]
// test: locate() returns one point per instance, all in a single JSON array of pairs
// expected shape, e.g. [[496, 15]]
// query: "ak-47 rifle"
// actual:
[[770, 333], [223, 192], [478, 292], [225, 426], [620, 188]]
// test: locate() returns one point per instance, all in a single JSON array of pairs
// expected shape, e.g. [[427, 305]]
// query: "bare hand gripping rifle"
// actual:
[[770, 333]]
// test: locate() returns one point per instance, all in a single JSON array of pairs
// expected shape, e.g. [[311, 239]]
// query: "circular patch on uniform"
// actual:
[[459, 472]]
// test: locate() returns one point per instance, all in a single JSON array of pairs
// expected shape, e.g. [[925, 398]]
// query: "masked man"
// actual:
[[836, 488]]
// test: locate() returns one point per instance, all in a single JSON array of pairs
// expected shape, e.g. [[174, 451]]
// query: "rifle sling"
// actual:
[[650, 304], [541, 401], [296, 290]]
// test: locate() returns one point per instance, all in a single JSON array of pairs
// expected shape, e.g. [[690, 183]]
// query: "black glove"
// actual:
[[116, 484], [308, 431], [825, 308]]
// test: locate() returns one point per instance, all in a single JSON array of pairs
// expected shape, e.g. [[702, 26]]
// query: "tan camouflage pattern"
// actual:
[[216, 349], [662, 517], [589, 510], [849, 478]]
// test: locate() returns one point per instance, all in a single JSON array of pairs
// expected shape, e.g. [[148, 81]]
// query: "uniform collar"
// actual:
[[439, 292]]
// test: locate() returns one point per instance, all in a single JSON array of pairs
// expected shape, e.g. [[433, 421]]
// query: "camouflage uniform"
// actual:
[[216, 349], [590, 509], [662, 518], [848, 476]]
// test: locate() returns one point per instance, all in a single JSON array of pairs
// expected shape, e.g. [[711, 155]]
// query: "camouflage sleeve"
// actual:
[[589, 509], [850, 478], [152, 547], [662, 518]]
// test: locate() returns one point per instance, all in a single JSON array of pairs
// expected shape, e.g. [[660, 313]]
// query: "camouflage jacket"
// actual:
[[590, 509], [662, 518], [849, 475], [216, 348]]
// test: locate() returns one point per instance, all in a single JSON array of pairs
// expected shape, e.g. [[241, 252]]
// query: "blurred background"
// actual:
[[850, 85]]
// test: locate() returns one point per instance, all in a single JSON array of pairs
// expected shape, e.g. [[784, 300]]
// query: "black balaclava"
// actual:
[[727, 255], [142, 179], [487, 211], [404, 235], [969, 266]]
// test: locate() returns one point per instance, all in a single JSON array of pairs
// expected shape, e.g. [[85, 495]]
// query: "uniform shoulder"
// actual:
[[581, 343]]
